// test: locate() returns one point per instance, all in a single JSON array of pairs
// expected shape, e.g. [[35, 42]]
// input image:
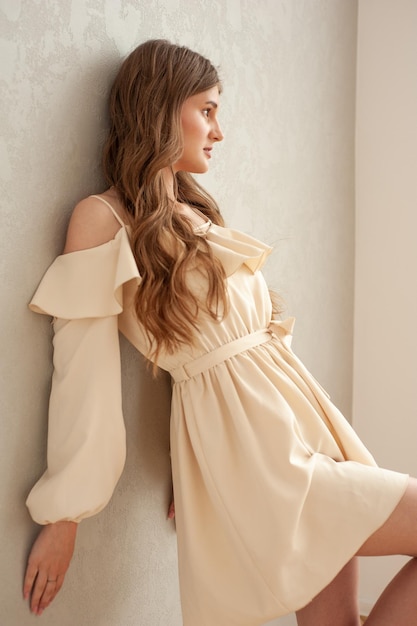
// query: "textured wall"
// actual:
[[284, 173], [385, 391]]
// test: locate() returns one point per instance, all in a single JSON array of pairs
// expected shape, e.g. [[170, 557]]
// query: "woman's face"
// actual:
[[200, 130]]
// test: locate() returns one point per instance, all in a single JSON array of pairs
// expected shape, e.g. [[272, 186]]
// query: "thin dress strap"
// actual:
[[119, 219]]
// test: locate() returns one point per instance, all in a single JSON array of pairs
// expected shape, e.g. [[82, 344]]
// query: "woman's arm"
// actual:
[[91, 225]]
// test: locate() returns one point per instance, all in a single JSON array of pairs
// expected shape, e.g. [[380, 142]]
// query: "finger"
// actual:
[[171, 511], [37, 591], [30, 575], [51, 590], [59, 582], [48, 595]]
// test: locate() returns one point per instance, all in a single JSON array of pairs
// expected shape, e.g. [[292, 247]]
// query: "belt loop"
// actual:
[[179, 374]]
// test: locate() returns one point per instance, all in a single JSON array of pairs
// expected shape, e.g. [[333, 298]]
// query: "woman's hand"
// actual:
[[171, 510], [48, 562]]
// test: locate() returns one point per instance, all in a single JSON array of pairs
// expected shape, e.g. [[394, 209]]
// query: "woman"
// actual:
[[274, 493]]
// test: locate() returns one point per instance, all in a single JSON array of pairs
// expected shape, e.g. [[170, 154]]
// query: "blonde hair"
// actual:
[[145, 138]]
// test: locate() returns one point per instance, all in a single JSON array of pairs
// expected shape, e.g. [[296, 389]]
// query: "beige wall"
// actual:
[[385, 389], [284, 173]]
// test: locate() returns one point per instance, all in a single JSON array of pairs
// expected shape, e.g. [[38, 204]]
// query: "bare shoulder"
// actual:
[[92, 223]]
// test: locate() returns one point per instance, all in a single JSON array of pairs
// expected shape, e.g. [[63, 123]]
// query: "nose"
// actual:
[[216, 133]]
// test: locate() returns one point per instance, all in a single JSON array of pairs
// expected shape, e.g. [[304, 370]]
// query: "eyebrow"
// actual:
[[214, 104]]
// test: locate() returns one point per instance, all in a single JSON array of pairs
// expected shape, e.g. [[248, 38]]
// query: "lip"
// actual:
[[208, 152]]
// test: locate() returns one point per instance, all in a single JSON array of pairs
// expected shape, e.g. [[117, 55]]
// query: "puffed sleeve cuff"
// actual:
[[86, 434]]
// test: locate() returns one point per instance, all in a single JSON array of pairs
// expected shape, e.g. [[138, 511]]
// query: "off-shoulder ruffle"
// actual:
[[235, 249], [87, 283]]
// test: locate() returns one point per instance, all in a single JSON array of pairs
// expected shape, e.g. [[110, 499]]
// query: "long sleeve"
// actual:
[[86, 434]]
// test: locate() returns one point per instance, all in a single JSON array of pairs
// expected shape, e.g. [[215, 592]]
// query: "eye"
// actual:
[[206, 112]]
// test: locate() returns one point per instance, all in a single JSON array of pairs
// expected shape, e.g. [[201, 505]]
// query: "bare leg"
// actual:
[[337, 604], [398, 603], [399, 533]]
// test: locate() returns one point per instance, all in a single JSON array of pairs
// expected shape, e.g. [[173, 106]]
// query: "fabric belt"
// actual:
[[220, 354]]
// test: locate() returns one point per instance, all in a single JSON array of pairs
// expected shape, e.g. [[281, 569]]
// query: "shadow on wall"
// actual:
[[125, 561]]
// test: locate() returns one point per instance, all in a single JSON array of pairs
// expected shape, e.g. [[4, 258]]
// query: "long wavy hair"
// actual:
[[145, 137]]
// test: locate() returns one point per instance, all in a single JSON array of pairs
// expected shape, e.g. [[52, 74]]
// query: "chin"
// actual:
[[201, 169]]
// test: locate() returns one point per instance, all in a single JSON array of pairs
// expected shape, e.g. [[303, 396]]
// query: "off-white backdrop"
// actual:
[[385, 389], [284, 173]]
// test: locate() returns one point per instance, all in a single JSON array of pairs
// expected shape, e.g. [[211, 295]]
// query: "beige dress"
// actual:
[[274, 492]]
